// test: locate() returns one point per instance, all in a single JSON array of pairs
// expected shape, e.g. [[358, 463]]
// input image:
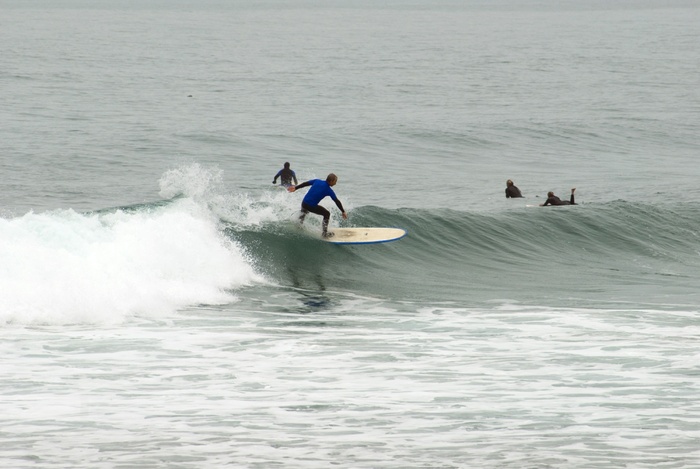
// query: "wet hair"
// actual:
[[286, 165], [550, 194], [509, 182], [331, 178]]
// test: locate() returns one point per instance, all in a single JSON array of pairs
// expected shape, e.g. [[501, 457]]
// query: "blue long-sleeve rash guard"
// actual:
[[319, 190]]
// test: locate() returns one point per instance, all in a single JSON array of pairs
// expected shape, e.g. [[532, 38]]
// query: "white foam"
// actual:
[[204, 186], [66, 267], [240, 207], [193, 181]]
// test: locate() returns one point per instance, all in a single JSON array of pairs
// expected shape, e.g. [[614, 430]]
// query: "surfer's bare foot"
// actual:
[[326, 234]]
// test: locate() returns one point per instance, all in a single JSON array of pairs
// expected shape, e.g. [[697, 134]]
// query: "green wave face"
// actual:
[[610, 252]]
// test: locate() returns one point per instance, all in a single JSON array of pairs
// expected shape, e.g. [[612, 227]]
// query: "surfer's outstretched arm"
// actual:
[[340, 207], [300, 186]]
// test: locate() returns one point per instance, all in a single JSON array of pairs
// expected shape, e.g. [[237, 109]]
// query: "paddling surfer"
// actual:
[[554, 200]]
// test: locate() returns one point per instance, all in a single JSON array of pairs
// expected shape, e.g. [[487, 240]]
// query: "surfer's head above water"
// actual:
[[331, 179]]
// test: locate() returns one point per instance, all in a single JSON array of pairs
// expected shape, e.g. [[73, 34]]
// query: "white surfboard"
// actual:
[[364, 235]]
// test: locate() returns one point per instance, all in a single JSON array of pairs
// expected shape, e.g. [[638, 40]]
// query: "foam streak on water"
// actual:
[[366, 386]]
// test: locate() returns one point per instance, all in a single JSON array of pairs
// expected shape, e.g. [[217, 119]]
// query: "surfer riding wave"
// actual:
[[320, 189]]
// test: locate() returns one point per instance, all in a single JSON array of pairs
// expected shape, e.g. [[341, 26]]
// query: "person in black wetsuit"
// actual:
[[286, 175], [554, 200], [512, 191]]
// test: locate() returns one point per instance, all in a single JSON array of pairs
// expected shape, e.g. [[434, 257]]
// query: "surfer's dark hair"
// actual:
[[331, 178], [286, 165]]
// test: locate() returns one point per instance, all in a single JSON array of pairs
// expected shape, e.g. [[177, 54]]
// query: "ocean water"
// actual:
[[160, 307]]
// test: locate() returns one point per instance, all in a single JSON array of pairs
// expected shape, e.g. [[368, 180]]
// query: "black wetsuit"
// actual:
[[512, 192], [554, 200], [286, 176]]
